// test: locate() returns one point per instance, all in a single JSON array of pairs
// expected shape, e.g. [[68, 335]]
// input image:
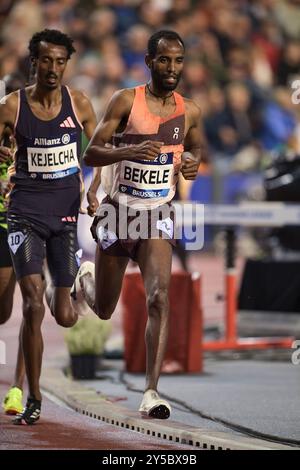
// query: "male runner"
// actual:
[[139, 144], [47, 120], [12, 403]]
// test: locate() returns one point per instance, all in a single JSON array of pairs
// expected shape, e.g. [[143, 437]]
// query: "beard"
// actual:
[[170, 86], [162, 83]]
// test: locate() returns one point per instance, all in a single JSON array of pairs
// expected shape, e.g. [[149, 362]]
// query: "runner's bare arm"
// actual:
[[92, 192], [193, 142], [85, 112], [99, 153], [87, 117], [8, 113]]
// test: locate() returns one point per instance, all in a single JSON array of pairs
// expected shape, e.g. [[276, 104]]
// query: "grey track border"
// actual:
[[90, 403]]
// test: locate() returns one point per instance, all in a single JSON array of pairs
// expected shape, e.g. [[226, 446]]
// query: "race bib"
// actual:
[[53, 158], [147, 179]]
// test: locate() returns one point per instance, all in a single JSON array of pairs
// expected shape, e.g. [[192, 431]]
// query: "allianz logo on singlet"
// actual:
[[65, 139], [42, 141]]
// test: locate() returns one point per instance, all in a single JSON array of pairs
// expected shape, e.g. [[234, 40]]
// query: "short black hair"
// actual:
[[54, 37], [164, 34]]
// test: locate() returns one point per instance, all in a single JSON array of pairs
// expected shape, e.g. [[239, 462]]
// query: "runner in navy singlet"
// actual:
[[47, 120]]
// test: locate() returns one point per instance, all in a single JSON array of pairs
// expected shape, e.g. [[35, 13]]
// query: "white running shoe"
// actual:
[[77, 295], [153, 406]]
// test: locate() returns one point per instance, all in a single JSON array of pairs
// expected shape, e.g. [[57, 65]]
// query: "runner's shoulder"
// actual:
[[9, 107], [10, 101], [80, 99], [123, 98], [192, 107]]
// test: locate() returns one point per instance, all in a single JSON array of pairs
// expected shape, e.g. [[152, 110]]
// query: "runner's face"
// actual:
[[51, 64], [166, 67]]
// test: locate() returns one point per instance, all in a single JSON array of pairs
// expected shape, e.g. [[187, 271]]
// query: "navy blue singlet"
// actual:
[[47, 161]]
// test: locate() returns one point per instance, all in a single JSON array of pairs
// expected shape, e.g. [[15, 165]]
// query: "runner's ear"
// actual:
[[148, 61]]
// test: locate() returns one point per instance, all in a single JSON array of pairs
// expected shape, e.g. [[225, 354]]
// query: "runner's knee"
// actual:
[[66, 322], [104, 310], [33, 311], [65, 318], [158, 302]]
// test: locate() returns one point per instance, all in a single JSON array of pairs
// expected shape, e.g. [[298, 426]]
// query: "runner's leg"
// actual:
[[20, 365], [63, 265], [7, 288], [155, 260], [27, 251], [12, 402], [32, 289], [102, 294]]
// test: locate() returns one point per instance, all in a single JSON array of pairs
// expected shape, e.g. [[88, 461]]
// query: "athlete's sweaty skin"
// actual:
[[45, 100], [7, 275], [154, 255]]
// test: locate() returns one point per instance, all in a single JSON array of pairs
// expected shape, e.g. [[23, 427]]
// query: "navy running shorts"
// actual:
[[5, 258], [31, 238]]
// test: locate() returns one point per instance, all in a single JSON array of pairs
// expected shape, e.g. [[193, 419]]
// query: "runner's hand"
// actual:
[[5, 154], [189, 168], [93, 203], [82, 210], [147, 150]]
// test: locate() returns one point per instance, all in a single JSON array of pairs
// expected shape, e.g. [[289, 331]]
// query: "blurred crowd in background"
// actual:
[[241, 58]]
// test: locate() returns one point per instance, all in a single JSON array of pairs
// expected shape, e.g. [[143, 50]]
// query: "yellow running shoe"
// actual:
[[12, 403]]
